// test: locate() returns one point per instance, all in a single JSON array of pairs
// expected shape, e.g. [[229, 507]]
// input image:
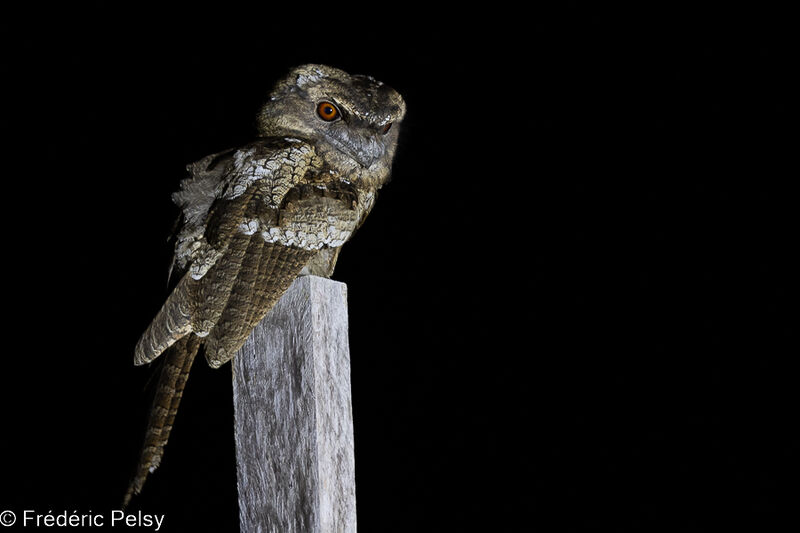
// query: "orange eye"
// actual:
[[327, 111]]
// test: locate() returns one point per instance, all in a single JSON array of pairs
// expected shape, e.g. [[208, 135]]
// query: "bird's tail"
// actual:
[[173, 378]]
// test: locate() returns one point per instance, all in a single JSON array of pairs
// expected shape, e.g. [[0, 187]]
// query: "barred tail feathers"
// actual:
[[179, 359]]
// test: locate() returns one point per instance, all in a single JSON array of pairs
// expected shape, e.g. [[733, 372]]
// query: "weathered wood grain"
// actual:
[[293, 415]]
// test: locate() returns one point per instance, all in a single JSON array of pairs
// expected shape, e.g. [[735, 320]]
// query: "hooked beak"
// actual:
[[364, 150]]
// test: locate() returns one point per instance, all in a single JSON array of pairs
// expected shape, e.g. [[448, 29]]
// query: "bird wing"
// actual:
[[231, 248]]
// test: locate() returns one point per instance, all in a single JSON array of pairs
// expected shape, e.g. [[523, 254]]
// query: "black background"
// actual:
[[569, 310]]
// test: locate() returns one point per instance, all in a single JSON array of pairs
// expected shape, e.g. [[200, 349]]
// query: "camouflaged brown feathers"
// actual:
[[256, 217]]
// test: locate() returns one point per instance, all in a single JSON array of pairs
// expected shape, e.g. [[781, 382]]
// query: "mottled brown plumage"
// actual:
[[256, 217]]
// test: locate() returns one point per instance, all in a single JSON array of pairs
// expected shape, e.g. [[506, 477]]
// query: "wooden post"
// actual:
[[294, 417]]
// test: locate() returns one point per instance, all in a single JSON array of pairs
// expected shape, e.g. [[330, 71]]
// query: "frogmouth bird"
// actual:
[[254, 218]]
